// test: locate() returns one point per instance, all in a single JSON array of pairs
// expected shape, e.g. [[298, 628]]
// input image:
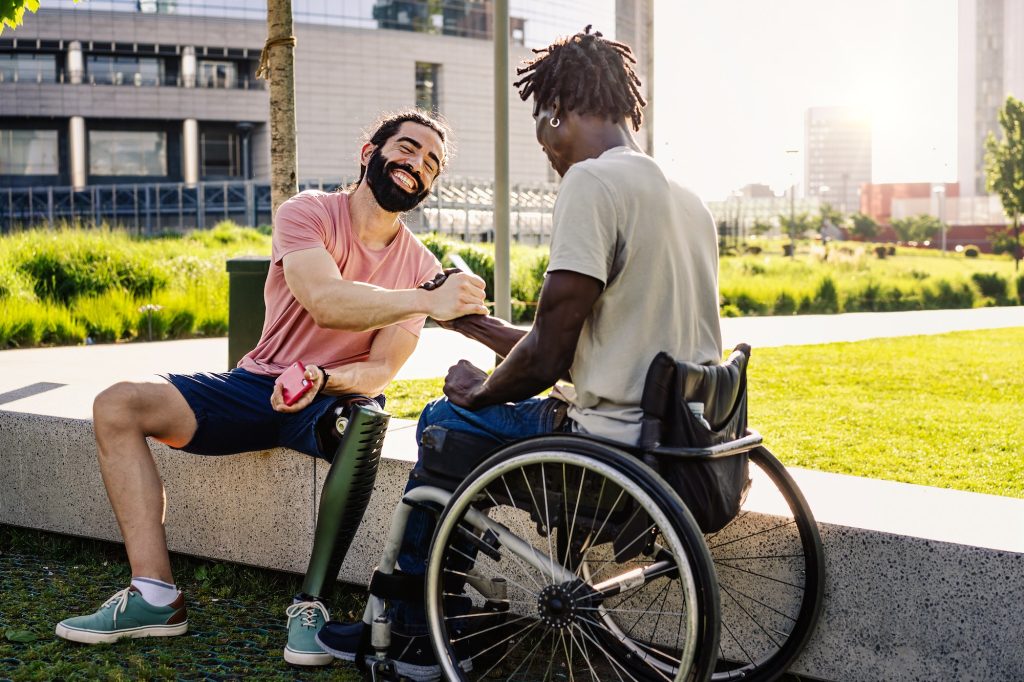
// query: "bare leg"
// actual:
[[123, 416]]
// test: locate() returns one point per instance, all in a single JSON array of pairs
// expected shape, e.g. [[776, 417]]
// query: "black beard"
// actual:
[[388, 194]]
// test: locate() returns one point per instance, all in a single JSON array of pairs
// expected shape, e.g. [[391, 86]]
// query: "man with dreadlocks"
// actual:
[[348, 291], [633, 271]]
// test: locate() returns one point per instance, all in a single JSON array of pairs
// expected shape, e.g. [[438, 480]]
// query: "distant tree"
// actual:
[[864, 226], [918, 228], [1004, 168], [761, 227], [828, 215], [799, 225], [12, 12]]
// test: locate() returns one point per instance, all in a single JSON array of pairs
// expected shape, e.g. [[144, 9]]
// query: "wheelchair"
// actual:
[[691, 556]]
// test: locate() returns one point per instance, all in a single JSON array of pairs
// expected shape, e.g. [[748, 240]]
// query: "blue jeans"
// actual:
[[505, 423]]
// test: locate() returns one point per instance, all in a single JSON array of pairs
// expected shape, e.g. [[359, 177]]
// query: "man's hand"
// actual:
[[314, 376], [462, 383], [460, 294]]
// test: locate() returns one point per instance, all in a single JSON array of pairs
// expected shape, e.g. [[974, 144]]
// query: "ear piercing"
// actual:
[[554, 122]]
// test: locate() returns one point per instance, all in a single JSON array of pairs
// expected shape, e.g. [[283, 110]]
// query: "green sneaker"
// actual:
[[127, 614], [305, 618]]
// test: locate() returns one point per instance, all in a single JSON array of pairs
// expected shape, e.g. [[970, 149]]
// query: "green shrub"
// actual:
[[729, 310], [991, 285], [784, 304], [226, 233], [753, 249], [1020, 290], [971, 252], [438, 245], [64, 269], [946, 295], [108, 317], [826, 298], [881, 251], [481, 262]]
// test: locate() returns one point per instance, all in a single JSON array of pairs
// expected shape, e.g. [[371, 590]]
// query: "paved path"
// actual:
[[64, 381]]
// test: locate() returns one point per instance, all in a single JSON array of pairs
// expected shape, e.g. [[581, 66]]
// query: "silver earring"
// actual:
[[554, 122]]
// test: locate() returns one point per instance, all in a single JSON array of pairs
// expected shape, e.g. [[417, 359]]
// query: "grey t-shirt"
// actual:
[[652, 243]]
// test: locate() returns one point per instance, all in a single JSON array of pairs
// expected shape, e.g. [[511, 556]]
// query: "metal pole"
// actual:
[[502, 271]]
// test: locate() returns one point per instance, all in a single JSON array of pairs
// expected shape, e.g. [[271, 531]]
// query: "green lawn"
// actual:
[[944, 410]]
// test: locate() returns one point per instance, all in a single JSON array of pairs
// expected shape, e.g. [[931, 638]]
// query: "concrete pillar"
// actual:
[[76, 147], [75, 63], [190, 151], [188, 67]]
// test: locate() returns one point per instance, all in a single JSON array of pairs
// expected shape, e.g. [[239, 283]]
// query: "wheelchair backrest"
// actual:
[[711, 488]]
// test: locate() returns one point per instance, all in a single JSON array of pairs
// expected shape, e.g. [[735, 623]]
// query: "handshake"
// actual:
[[463, 295]]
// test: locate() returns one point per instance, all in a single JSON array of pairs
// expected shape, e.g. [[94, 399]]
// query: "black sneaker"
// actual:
[[413, 656]]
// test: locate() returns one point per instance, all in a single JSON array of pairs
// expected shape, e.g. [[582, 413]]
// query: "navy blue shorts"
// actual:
[[233, 414]]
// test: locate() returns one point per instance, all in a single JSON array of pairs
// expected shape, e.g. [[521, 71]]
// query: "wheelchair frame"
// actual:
[[701, 656]]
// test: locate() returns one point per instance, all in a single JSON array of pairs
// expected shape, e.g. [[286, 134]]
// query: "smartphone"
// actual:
[[461, 264], [294, 383]]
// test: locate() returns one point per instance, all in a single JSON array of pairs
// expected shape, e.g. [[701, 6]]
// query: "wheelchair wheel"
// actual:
[[603, 572], [770, 568]]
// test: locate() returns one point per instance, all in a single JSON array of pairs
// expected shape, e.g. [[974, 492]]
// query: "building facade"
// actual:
[[837, 159], [112, 92], [990, 66]]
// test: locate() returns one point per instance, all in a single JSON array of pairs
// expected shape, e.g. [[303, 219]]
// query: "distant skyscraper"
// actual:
[[837, 160], [991, 66]]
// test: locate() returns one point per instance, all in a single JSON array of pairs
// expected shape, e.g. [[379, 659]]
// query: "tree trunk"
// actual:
[[281, 66]]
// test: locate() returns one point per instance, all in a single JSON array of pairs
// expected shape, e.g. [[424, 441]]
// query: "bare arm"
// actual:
[[336, 303], [542, 356], [390, 349], [492, 332]]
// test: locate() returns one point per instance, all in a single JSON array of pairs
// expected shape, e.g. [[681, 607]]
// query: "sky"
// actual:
[[733, 79]]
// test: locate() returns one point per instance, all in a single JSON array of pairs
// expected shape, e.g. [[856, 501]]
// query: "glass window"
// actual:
[[28, 152], [127, 153], [427, 86], [124, 70], [27, 67], [214, 74], [220, 154]]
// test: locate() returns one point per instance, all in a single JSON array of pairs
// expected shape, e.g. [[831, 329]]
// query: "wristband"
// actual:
[[323, 379]]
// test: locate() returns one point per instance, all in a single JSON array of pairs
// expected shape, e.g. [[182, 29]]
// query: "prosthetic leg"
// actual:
[[358, 427]]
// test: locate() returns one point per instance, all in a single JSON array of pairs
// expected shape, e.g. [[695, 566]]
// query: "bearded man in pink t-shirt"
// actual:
[[344, 297]]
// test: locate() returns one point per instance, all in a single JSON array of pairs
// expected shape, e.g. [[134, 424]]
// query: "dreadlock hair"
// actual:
[[387, 127], [587, 74]]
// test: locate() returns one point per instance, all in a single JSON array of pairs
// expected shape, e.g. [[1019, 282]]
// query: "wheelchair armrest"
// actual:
[[727, 449]]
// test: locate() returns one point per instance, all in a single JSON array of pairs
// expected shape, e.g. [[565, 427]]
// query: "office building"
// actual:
[[119, 92], [837, 159], [990, 66]]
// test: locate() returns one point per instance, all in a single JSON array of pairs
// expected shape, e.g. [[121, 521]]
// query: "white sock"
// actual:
[[155, 592]]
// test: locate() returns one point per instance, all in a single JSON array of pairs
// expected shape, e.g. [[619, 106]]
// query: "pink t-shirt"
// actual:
[[311, 220]]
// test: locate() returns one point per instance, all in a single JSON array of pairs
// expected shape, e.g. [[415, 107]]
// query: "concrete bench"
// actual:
[[922, 583]]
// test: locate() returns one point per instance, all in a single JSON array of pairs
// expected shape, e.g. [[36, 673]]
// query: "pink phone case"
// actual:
[[294, 383]]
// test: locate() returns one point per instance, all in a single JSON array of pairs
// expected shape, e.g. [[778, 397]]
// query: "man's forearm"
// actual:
[[359, 307], [493, 332], [525, 372], [368, 378]]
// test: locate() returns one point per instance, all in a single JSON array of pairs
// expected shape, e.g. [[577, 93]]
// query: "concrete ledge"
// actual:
[[921, 583]]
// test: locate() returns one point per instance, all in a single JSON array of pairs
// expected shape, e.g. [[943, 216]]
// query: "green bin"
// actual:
[[247, 276]]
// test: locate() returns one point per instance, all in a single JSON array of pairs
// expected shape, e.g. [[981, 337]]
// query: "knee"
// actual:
[[114, 408]]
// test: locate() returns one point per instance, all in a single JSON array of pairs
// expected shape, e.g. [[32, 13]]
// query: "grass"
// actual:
[[236, 616], [941, 410]]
